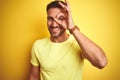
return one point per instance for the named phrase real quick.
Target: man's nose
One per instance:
(54, 23)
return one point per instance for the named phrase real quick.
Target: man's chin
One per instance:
(55, 36)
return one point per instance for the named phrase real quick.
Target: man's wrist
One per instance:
(73, 29)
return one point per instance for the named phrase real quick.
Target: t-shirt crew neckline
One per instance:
(61, 43)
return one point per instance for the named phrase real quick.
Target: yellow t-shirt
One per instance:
(58, 61)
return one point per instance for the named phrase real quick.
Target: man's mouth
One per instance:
(54, 29)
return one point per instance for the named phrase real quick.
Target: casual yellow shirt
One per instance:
(57, 61)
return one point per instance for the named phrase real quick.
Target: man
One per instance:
(60, 57)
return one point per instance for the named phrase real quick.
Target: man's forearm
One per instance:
(32, 77)
(90, 50)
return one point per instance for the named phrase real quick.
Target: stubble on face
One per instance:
(56, 31)
(54, 27)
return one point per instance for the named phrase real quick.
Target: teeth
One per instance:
(55, 29)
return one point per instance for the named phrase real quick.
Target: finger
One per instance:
(60, 23)
(57, 21)
(59, 15)
(66, 1)
(64, 6)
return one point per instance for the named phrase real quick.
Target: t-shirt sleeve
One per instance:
(34, 60)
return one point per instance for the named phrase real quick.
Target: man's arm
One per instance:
(90, 50)
(34, 73)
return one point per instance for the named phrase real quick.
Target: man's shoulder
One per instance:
(41, 41)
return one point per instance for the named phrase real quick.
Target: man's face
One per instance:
(54, 16)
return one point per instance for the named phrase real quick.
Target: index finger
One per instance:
(66, 1)
(59, 14)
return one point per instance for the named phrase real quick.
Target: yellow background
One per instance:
(24, 21)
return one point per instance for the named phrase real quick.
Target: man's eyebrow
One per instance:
(49, 17)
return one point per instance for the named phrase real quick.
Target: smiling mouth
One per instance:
(54, 30)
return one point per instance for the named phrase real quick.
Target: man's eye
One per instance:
(50, 19)
(61, 18)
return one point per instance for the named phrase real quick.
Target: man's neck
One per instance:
(60, 39)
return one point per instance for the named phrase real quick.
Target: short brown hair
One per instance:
(55, 4)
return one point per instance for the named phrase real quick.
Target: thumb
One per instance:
(61, 23)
